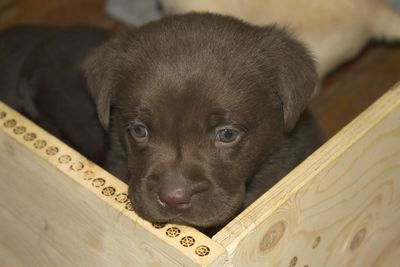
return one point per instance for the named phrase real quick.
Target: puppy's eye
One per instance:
(139, 131)
(227, 136)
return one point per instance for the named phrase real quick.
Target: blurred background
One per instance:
(344, 93)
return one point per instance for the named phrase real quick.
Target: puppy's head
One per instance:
(199, 101)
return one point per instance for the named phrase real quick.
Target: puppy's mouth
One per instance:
(187, 218)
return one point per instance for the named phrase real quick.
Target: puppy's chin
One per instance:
(204, 211)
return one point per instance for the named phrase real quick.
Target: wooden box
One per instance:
(340, 207)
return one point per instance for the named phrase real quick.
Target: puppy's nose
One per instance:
(177, 198)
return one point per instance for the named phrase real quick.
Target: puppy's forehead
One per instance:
(195, 100)
(207, 74)
(179, 97)
(196, 66)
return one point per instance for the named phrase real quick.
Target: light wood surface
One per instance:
(59, 209)
(341, 207)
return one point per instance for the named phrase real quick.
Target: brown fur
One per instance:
(185, 78)
(41, 77)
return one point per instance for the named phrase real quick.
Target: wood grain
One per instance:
(59, 209)
(341, 207)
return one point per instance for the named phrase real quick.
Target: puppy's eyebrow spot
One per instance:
(142, 111)
(224, 117)
(218, 117)
(138, 113)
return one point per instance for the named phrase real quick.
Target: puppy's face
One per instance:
(193, 141)
(197, 106)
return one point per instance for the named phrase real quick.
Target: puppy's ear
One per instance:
(296, 70)
(101, 70)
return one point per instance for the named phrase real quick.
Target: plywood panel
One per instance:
(57, 208)
(341, 207)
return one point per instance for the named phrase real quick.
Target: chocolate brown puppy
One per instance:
(204, 113)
